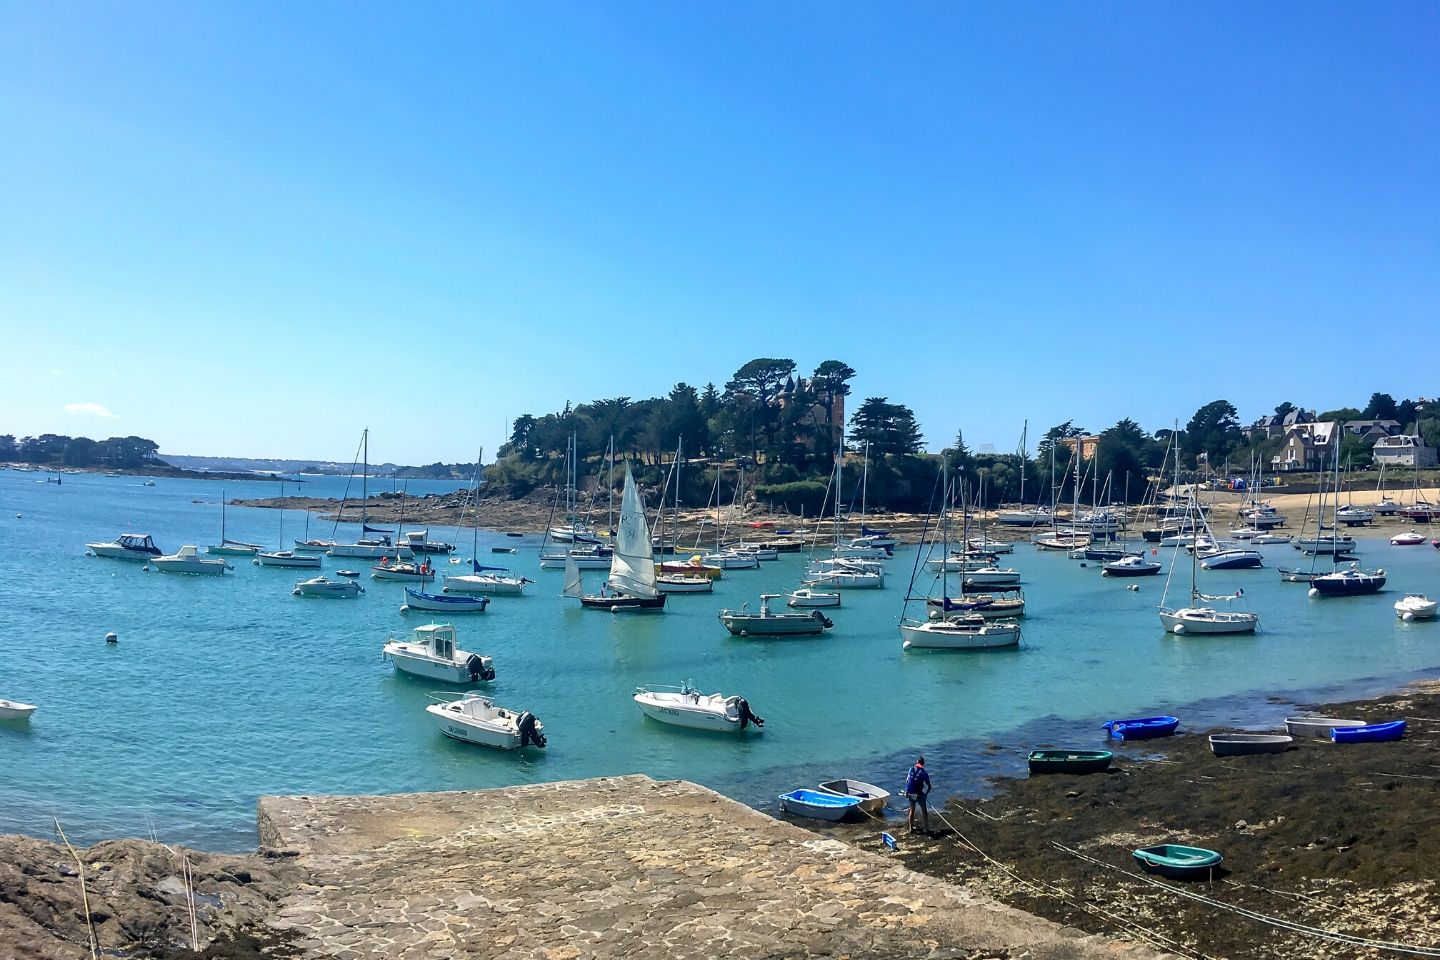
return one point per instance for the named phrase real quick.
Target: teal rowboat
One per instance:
(1070, 761)
(1178, 862)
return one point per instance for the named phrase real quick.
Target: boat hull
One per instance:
(491, 586)
(817, 805)
(1178, 862)
(1317, 728)
(1207, 622)
(1370, 733)
(14, 710)
(321, 587)
(289, 559)
(1248, 744)
(1142, 728)
(417, 600)
(1070, 761)
(872, 798)
(943, 635)
(623, 602)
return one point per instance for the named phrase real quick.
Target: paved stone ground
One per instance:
(620, 866)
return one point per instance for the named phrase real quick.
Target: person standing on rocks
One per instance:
(917, 789)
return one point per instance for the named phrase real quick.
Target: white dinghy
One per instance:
(431, 653)
(476, 719)
(323, 587)
(15, 710)
(686, 706)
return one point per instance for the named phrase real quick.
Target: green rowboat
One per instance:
(1070, 761)
(1178, 862)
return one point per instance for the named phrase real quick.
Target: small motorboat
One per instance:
(475, 719)
(503, 550)
(323, 587)
(872, 798)
(431, 653)
(1317, 728)
(491, 581)
(818, 805)
(1293, 575)
(764, 623)
(189, 560)
(316, 546)
(290, 559)
(443, 603)
(810, 597)
(1232, 559)
(1070, 761)
(1369, 733)
(1408, 539)
(403, 570)
(1141, 728)
(15, 710)
(1244, 744)
(347, 573)
(1131, 566)
(1416, 606)
(686, 706)
(1178, 862)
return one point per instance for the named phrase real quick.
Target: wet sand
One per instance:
(1344, 838)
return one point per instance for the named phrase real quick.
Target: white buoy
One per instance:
(146, 568)
(256, 562)
(1408, 615)
(1179, 628)
(1134, 587)
(1314, 592)
(111, 638)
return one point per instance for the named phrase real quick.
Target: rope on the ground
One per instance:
(1291, 925)
(1145, 934)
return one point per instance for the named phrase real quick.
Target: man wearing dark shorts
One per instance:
(917, 788)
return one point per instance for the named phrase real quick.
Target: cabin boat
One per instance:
(323, 587)
(431, 653)
(473, 718)
(127, 546)
(683, 583)
(1347, 583)
(418, 541)
(1416, 606)
(403, 570)
(189, 560)
(764, 623)
(1408, 539)
(686, 706)
(971, 632)
(490, 581)
(1131, 566)
(694, 567)
(585, 558)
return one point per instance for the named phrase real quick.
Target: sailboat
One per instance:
(840, 572)
(631, 585)
(1351, 581)
(232, 548)
(1202, 619)
(1023, 516)
(287, 558)
(364, 548)
(482, 579)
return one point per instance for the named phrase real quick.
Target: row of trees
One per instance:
(56, 450)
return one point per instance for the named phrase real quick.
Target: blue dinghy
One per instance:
(1370, 733)
(817, 805)
(1178, 862)
(1141, 728)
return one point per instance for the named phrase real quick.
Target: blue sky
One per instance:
(254, 229)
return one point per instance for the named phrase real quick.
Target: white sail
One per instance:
(573, 585)
(632, 567)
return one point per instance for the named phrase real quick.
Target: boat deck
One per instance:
(619, 866)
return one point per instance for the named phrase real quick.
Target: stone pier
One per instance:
(617, 867)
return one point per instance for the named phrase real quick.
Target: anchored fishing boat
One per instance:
(476, 719)
(765, 623)
(431, 653)
(323, 587)
(686, 706)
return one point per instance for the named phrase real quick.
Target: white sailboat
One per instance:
(1198, 618)
(631, 584)
(364, 548)
(233, 548)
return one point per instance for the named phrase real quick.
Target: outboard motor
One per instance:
(822, 618)
(747, 716)
(529, 732)
(477, 668)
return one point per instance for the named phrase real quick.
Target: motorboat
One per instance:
(403, 570)
(1410, 538)
(289, 558)
(1347, 583)
(872, 799)
(233, 548)
(1416, 606)
(491, 581)
(366, 549)
(1131, 566)
(15, 710)
(764, 623)
(127, 546)
(732, 560)
(843, 574)
(989, 545)
(1317, 728)
(998, 604)
(476, 719)
(584, 558)
(810, 597)
(1234, 558)
(323, 587)
(991, 577)
(1263, 539)
(1246, 744)
(431, 653)
(1025, 517)
(818, 805)
(971, 632)
(694, 567)
(686, 706)
(1295, 575)
(443, 603)
(313, 546)
(189, 560)
(418, 541)
(1354, 516)
(1326, 545)
(683, 583)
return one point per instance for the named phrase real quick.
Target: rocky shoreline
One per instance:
(1339, 838)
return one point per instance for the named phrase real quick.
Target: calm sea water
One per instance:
(223, 689)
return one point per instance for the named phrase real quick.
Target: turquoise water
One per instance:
(223, 689)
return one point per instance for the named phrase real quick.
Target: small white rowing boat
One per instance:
(872, 798)
(15, 710)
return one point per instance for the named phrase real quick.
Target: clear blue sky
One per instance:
(254, 229)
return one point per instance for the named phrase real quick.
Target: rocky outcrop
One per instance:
(138, 898)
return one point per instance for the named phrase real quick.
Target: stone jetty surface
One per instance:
(616, 867)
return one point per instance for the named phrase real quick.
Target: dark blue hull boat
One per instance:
(1370, 733)
(1142, 728)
